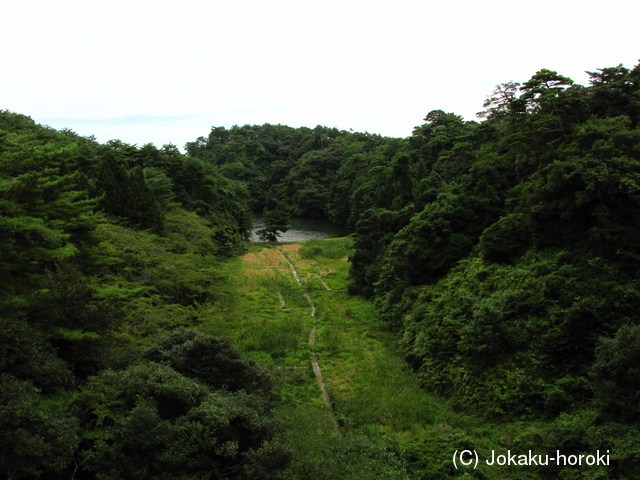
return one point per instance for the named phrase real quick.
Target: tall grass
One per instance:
(333, 248)
(378, 402)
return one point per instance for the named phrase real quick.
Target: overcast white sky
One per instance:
(166, 72)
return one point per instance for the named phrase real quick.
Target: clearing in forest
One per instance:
(340, 378)
(269, 316)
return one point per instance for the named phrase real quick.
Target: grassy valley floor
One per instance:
(380, 423)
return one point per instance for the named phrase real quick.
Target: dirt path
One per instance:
(293, 270)
(312, 334)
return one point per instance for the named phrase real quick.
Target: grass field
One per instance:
(380, 417)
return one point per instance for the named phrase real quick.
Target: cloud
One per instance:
(179, 68)
(125, 120)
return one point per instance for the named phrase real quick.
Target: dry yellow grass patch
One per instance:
(310, 267)
(267, 257)
(269, 272)
(304, 267)
(291, 247)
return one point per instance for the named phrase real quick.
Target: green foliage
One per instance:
(174, 267)
(276, 220)
(26, 354)
(518, 339)
(615, 374)
(374, 232)
(614, 92)
(320, 452)
(506, 238)
(309, 182)
(161, 188)
(74, 318)
(83, 290)
(34, 444)
(504, 253)
(149, 421)
(445, 223)
(334, 249)
(212, 361)
(310, 170)
(502, 102)
(431, 454)
(112, 180)
(44, 216)
(543, 87)
(511, 269)
(591, 198)
(142, 208)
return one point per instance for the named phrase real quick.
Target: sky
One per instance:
(167, 72)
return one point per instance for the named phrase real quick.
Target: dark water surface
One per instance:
(301, 229)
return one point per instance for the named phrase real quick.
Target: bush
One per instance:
(34, 443)
(506, 238)
(151, 422)
(616, 374)
(210, 360)
(25, 354)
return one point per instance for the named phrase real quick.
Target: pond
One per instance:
(301, 229)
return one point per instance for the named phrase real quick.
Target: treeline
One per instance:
(505, 252)
(511, 267)
(108, 252)
(308, 172)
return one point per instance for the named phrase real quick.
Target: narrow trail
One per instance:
(312, 334)
(293, 270)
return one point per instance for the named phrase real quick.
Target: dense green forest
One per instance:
(106, 252)
(502, 254)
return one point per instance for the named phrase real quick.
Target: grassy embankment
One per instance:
(382, 414)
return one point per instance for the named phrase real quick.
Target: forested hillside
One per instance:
(107, 254)
(503, 254)
(514, 279)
